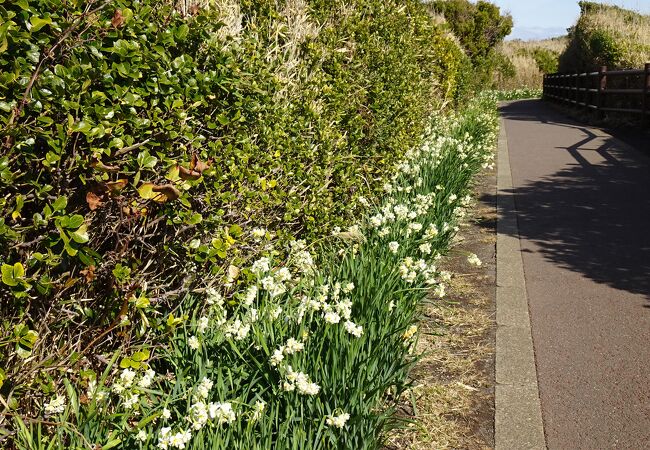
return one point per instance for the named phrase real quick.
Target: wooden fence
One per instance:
(615, 91)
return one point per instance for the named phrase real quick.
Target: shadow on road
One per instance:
(590, 218)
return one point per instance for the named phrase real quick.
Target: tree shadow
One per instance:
(590, 218)
(634, 134)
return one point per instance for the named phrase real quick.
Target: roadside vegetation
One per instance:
(218, 228)
(517, 94)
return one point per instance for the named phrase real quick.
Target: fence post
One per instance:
(600, 96)
(646, 91)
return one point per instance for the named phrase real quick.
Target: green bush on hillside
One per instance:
(479, 27)
(547, 60)
(145, 154)
(606, 35)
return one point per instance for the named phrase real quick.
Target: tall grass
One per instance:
(522, 59)
(314, 351)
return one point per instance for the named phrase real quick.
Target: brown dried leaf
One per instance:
(188, 174)
(88, 273)
(103, 167)
(203, 166)
(199, 166)
(169, 190)
(83, 399)
(94, 201)
(118, 18)
(117, 186)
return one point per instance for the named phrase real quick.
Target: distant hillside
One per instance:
(607, 35)
(523, 63)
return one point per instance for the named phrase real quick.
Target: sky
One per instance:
(537, 19)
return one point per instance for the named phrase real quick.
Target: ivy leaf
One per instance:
(81, 235)
(38, 22)
(182, 31)
(173, 173)
(220, 247)
(235, 230)
(11, 274)
(141, 355)
(60, 203)
(195, 219)
(26, 339)
(141, 302)
(117, 186)
(72, 222)
(145, 160)
(82, 127)
(146, 191)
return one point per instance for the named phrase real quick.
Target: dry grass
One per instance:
(287, 33)
(294, 27)
(230, 14)
(511, 48)
(520, 54)
(448, 379)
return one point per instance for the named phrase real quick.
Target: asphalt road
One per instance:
(583, 209)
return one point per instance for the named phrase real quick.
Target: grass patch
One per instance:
(518, 94)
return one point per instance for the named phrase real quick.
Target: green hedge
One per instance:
(144, 154)
(316, 356)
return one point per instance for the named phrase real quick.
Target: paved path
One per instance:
(582, 202)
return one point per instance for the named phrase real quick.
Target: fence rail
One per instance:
(615, 91)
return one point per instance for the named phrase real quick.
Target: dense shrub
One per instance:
(547, 60)
(143, 153)
(606, 35)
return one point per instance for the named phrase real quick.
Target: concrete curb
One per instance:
(518, 414)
